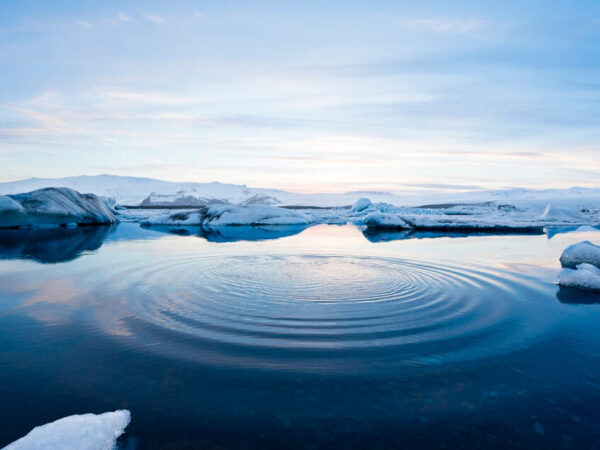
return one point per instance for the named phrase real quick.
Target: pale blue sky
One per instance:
(304, 96)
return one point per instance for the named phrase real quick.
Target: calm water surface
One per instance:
(286, 337)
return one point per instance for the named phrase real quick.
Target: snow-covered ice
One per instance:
(53, 207)
(220, 215)
(469, 217)
(510, 210)
(81, 432)
(585, 276)
(195, 197)
(557, 214)
(361, 204)
(385, 220)
(581, 253)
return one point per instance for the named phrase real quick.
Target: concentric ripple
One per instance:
(317, 312)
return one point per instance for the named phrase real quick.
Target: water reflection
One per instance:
(321, 340)
(64, 244)
(382, 235)
(233, 233)
(553, 231)
(52, 246)
(576, 296)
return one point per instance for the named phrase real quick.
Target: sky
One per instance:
(307, 96)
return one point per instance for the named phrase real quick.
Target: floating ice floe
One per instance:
(218, 215)
(52, 207)
(443, 222)
(385, 220)
(585, 276)
(581, 266)
(81, 432)
(581, 253)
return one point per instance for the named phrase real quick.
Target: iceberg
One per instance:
(512, 211)
(361, 204)
(53, 207)
(82, 432)
(585, 276)
(555, 214)
(581, 253)
(385, 220)
(471, 223)
(219, 215)
(425, 221)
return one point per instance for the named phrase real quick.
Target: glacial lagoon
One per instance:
(296, 337)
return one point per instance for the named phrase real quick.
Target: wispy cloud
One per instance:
(445, 25)
(84, 24)
(146, 97)
(41, 124)
(122, 17)
(153, 17)
(382, 95)
(446, 186)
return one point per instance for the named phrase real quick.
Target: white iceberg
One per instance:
(8, 205)
(385, 220)
(53, 207)
(585, 276)
(218, 215)
(581, 253)
(413, 219)
(556, 214)
(470, 223)
(81, 432)
(361, 204)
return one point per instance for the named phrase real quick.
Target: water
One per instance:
(299, 338)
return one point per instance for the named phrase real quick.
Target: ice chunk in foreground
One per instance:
(555, 214)
(217, 215)
(54, 207)
(586, 276)
(361, 203)
(580, 253)
(81, 432)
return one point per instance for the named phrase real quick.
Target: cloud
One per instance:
(84, 24)
(43, 124)
(445, 25)
(122, 17)
(146, 97)
(153, 18)
(453, 187)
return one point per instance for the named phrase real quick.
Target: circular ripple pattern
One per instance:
(318, 312)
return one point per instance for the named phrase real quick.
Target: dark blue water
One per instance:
(299, 338)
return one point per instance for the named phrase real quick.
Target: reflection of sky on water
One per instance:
(128, 248)
(63, 245)
(197, 335)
